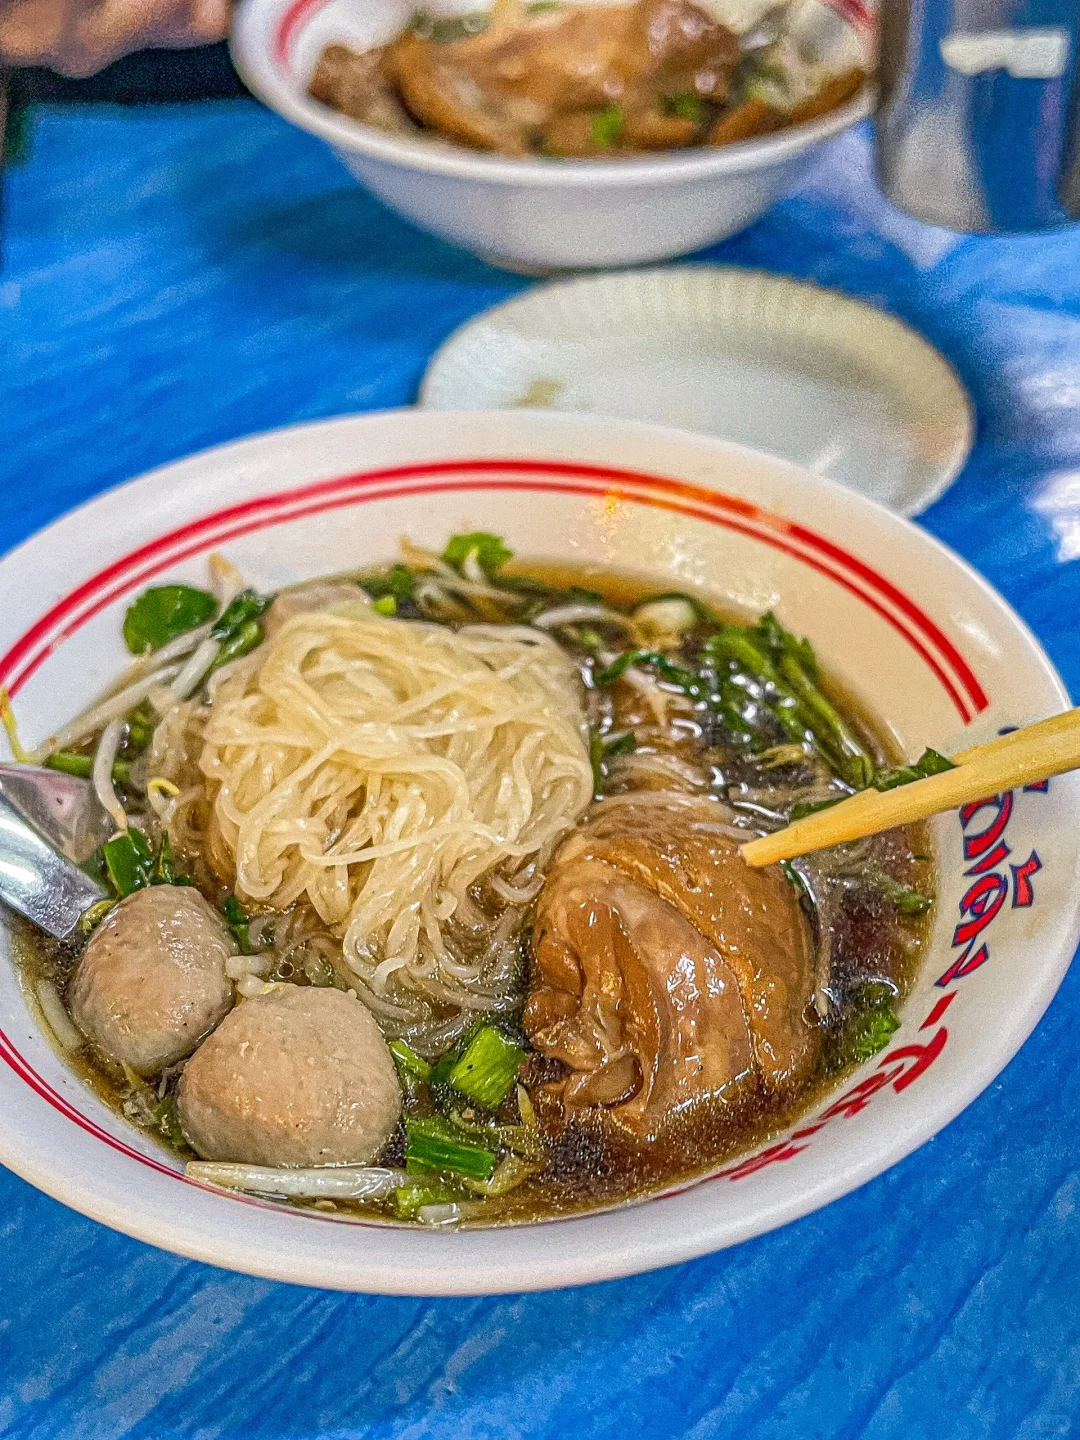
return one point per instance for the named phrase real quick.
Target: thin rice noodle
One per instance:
(376, 770)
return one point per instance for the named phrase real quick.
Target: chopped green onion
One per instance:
(606, 126)
(440, 1074)
(386, 605)
(69, 762)
(929, 763)
(164, 612)
(487, 1070)
(409, 1200)
(398, 583)
(490, 550)
(129, 862)
(686, 105)
(238, 921)
(434, 1145)
(413, 1069)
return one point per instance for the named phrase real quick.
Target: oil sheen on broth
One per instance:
(702, 730)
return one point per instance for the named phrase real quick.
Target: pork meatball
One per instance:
(295, 1076)
(152, 980)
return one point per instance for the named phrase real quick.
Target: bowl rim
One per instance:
(257, 44)
(435, 1264)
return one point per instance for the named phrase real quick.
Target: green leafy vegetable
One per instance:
(239, 627)
(606, 126)
(162, 869)
(487, 1070)
(602, 749)
(907, 900)
(242, 609)
(687, 680)
(413, 1069)
(433, 1145)
(868, 1029)
(240, 642)
(929, 763)
(490, 550)
(168, 1121)
(811, 807)
(686, 105)
(238, 921)
(785, 668)
(69, 762)
(129, 862)
(141, 725)
(162, 613)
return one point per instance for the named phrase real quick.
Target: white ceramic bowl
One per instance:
(532, 215)
(913, 632)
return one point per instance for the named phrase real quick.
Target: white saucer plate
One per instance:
(787, 367)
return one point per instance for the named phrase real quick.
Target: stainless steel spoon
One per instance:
(49, 824)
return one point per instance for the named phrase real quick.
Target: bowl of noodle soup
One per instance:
(467, 692)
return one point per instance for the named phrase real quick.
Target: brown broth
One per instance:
(593, 1164)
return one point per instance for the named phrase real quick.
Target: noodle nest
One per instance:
(408, 781)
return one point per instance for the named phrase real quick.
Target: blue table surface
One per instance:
(178, 277)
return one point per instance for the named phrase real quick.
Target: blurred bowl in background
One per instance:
(533, 215)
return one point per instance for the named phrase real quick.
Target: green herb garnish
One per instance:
(601, 750)
(679, 675)
(606, 127)
(929, 763)
(162, 613)
(490, 550)
(238, 921)
(398, 583)
(811, 807)
(246, 606)
(487, 1070)
(686, 105)
(129, 862)
(413, 1069)
(435, 1146)
(786, 670)
(386, 606)
(907, 900)
(70, 762)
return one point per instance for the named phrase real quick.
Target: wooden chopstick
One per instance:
(1035, 752)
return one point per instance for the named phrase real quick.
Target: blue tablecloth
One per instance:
(178, 277)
